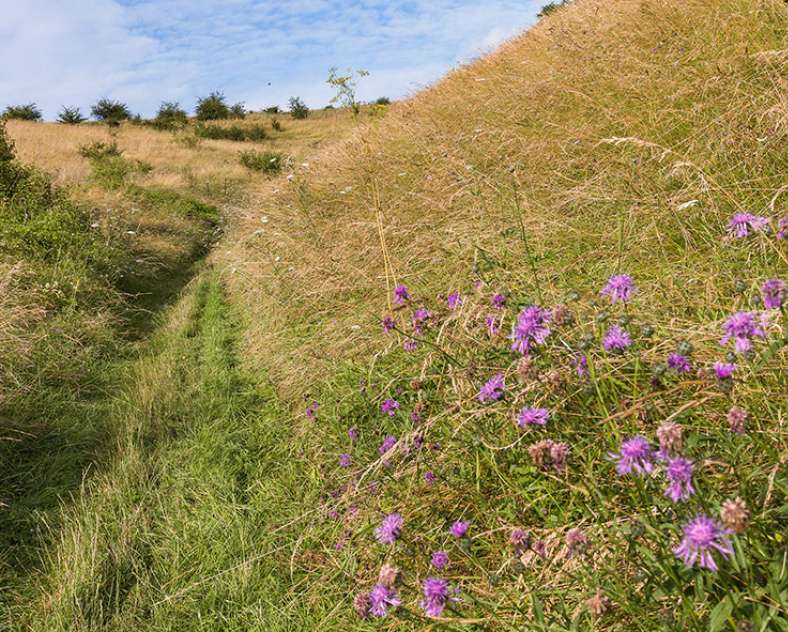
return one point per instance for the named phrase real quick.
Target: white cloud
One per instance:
(146, 51)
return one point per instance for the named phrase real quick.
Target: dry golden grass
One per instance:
(418, 195)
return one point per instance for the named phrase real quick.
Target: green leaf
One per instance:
(720, 614)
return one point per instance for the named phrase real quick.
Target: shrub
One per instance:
(345, 85)
(265, 161)
(27, 112)
(212, 108)
(274, 109)
(238, 110)
(70, 116)
(237, 133)
(170, 116)
(383, 101)
(110, 112)
(276, 125)
(550, 7)
(298, 109)
(100, 150)
(110, 168)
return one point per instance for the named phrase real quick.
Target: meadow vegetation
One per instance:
(507, 355)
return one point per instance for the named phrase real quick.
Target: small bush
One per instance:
(298, 109)
(170, 116)
(265, 161)
(237, 133)
(550, 7)
(212, 108)
(27, 112)
(383, 101)
(238, 110)
(70, 116)
(110, 112)
(274, 109)
(276, 125)
(100, 150)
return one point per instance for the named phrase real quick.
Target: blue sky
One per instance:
(257, 51)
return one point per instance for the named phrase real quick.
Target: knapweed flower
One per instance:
(361, 605)
(782, 227)
(401, 295)
(735, 515)
(740, 224)
(498, 301)
(388, 442)
(724, 370)
(742, 327)
(773, 292)
(737, 420)
(389, 529)
(520, 541)
(440, 559)
(420, 318)
(547, 452)
(454, 300)
(410, 345)
(493, 326)
(436, 592)
(679, 474)
(388, 324)
(429, 477)
(389, 407)
(311, 410)
(388, 575)
(635, 454)
(620, 287)
(576, 541)
(344, 460)
(493, 389)
(679, 363)
(459, 529)
(381, 598)
(671, 440)
(703, 536)
(581, 366)
(532, 416)
(558, 455)
(531, 328)
(352, 433)
(616, 339)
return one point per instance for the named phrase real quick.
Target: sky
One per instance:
(261, 52)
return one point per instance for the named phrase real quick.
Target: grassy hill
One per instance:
(407, 337)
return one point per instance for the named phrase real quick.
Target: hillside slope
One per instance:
(499, 444)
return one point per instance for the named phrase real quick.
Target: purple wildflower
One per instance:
(344, 460)
(389, 529)
(415, 417)
(381, 598)
(353, 434)
(430, 477)
(459, 529)
(454, 300)
(390, 407)
(410, 345)
(635, 454)
(782, 227)
(493, 325)
(388, 442)
(388, 324)
(361, 605)
(498, 301)
(616, 339)
(773, 292)
(436, 592)
(737, 420)
(671, 439)
(724, 370)
(401, 294)
(679, 363)
(742, 327)
(531, 328)
(679, 473)
(440, 559)
(620, 287)
(311, 410)
(740, 224)
(576, 541)
(520, 541)
(702, 536)
(420, 317)
(493, 389)
(532, 416)
(581, 366)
